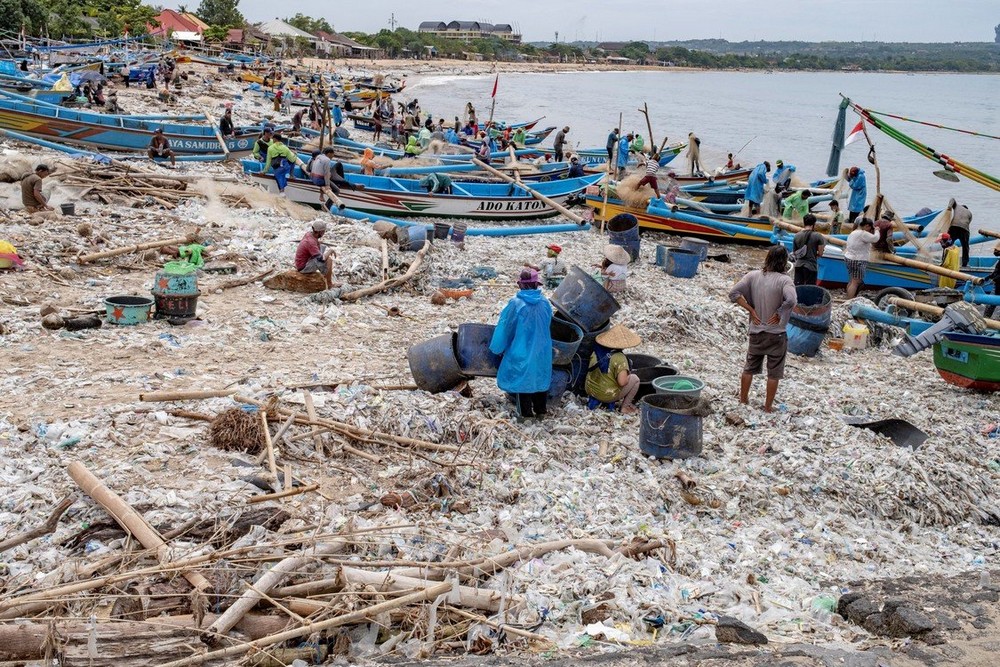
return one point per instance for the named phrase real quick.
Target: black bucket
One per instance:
(180, 306)
(670, 427)
(441, 230)
(637, 361)
(646, 377)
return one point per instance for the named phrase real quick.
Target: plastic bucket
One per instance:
(458, 232)
(623, 230)
(646, 377)
(472, 349)
(170, 306)
(171, 283)
(566, 339)
(637, 361)
(681, 263)
(679, 385)
(441, 230)
(661, 255)
(411, 238)
(699, 246)
(433, 364)
(584, 301)
(804, 340)
(668, 427)
(813, 307)
(68, 209)
(128, 310)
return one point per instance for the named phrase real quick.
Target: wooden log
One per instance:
(93, 257)
(268, 581)
(473, 598)
(129, 519)
(931, 309)
(392, 283)
(359, 616)
(929, 268)
(537, 195)
(989, 232)
(291, 491)
(315, 587)
(191, 395)
(293, 281)
(44, 529)
(119, 643)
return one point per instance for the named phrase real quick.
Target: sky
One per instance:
(619, 20)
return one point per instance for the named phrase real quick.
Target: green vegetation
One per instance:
(60, 18)
(309, 24)
(221, 13)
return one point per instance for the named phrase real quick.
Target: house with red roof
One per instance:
(183, 26)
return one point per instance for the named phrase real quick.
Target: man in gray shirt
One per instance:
(769, 296)
(806, 247)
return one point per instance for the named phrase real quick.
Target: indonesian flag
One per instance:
(496, 83)
(857, 133)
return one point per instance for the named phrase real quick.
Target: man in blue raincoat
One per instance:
(755, 186)
(859, 193)
(524, 339)
(623, 147)
(782, 175)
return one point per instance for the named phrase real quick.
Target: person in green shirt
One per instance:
(262, 143)
(282, 159)
(608, 376)
(519, 138)
(796, 205)
(637, 145)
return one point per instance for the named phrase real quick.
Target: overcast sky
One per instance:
(607, 20)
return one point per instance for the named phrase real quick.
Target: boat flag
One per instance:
(856, 133)
(495, 84)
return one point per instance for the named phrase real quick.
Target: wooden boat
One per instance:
(832, 271)
(55, 97)
(114, 132)
(591, 157)
(969, 361)
(405, 197)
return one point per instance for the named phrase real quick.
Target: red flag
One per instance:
(856, 133)
(495, 84)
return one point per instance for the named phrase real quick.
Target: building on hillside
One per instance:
(278, 30)
(468, 31)
(611, 48)
(179, 26)
(345, 47)
(248, 40)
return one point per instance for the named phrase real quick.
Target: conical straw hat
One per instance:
(617, 254)
(619, 337)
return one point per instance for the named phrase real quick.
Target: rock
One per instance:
(53, 321)
(47, 309)
(875, 624)
(981, 623)
(934, 638)
(734, 419)
(861, 609)
(845, 600)
(892, 604)
(906, 622)
(732, 631)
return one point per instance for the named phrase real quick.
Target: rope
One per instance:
(937, 125)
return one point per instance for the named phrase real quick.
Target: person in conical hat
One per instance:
(609, 379)
(614, 268)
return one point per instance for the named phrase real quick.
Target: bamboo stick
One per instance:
(473, 598)
(346, 619)
(269, 446)
(517, 632)
(930, 268)
(192, 395)
(218, 134)
(931, 309)
(252, 596)
(129, 519)
(290, 491)
(537, 195)
(990, 233)
(311, 412)
(93, 257)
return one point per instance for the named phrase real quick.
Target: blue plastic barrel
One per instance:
(411, 238)
(433, 364)
(623, 230)
(648, 375)
(681, 263)
(668, 427)
(804, 340)
(584, 301)
(566, 338)
(699, 246)
(472, 349)
(581, 360)
(661, 255)
(813, 307)
(558, 387)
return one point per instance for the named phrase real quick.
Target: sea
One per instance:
(762, 116)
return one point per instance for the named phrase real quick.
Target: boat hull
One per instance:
(664, 223)
(832, 272)
(969, 365)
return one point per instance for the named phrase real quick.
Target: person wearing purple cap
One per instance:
(523, 339)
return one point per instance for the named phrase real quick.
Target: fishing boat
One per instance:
(115, 132)
(969, 361)
(406, 197)
(832, 271)
(382, 151)
(592, 157)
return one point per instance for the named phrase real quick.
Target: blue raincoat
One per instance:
(523, 338)
(784, 174)
(623, 152)
(859, 192)
(755, 184)
(338, 116)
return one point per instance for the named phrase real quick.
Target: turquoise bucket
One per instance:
(681, 263)
(128, 310)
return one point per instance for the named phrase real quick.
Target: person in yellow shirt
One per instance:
(951, 258)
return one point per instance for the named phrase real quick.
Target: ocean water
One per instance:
(782, 115)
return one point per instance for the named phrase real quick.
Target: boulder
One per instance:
(293, 281)
(732, 631)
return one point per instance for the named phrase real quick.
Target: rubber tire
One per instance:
(884, 294)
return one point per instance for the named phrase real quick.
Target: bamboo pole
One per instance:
(192, 395)
(930, 309)
(289, 491)
(129, 519)
(311, 412)
(93, 257)
(252, 596)
(537, 195)
(473, 598)
(930, 268)
(990, 233)
(424, 595)
(218, 133)
(269, 447)
(649, 125)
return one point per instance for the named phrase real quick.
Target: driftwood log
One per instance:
(473, 598)
(190, 238)
(392, 283)
(293, 281)
(44, 529)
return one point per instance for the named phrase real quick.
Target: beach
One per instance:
(779, 516)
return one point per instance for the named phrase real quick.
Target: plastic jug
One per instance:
(855, 335)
